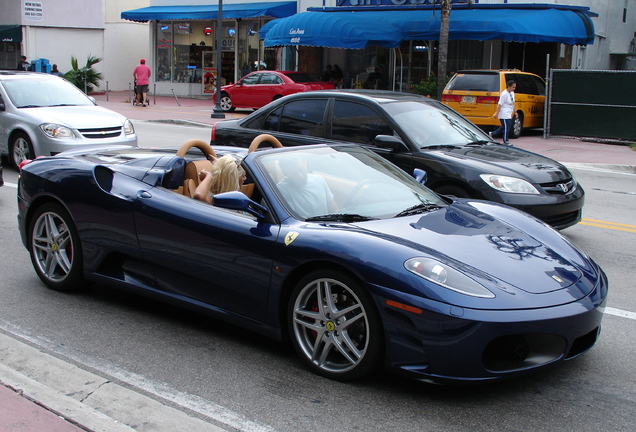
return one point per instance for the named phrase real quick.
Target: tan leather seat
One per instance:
(191, 177)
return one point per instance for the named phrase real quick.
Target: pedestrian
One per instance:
(505, 112)
(55, 71)
(141, 73)
(23, 64)
(327, 75)
(336, 76)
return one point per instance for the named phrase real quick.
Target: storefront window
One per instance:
(164, 52)
(185, 51)
(248, 45)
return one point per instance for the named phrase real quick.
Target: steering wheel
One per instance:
(200, 144)
(356, 189)
(262, 138)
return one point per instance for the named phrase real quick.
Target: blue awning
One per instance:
(353, 30)
(210, 12)
(389, 27)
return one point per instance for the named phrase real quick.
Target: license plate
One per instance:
(468, 99)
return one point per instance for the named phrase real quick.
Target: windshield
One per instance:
(343, 183)
(430, 126)
(44, 92)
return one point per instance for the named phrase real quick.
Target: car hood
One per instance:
(505, 160)
(533, 263)
(77, 117)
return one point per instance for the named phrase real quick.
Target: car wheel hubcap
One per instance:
(226, 104)
(20, 151)
(52, 247)
(331, 325)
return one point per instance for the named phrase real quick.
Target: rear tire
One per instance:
(55, 248)
(517, 126)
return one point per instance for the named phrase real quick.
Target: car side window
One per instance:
(357, 123)
(540, 85)
(300, 117)
(269, 78)
(272, 121)
(251, 79)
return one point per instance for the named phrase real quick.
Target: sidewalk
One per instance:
(572, 152)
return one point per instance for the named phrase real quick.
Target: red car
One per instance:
(259, 88)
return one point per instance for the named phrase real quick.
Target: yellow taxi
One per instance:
(475, 94)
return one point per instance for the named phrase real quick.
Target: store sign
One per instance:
(393, 2)
(33, 11)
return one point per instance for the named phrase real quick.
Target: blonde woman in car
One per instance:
(226, 175)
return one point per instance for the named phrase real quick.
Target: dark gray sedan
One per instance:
(418, 132)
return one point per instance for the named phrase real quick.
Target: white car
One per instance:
(42, 115)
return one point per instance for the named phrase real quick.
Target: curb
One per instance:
(87, 400)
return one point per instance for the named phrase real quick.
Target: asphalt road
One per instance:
(231, 378)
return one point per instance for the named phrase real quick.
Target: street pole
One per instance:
(218, 111)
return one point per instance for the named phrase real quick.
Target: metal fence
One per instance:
(591, 104)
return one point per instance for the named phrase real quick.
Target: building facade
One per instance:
(58, 29)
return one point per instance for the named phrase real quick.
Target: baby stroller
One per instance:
(134, 101)
(137, 97)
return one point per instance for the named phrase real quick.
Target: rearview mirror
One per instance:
(420, 176)
(236, 200)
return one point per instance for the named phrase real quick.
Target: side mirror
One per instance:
(420, 176)
(390, 142)
(236, 200)
(93, 100)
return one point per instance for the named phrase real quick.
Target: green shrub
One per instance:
(428, 87)
(86, 78)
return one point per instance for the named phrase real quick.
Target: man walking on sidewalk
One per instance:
(506, 112)
(141, 74)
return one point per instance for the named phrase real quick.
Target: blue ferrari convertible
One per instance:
(328, 247)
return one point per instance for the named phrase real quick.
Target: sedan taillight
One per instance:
(213, 133)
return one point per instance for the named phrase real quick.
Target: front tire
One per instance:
(21, 149)
(334, 326)
(226, 103)
(55, 248)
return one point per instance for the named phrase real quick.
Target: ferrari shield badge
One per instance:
(290, 237)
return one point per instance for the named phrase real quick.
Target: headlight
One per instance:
(56, 131)
(508, 184)
(446, 276)
(128, 127)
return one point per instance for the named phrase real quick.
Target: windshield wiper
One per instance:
(58, 105)
(30, 106)
(340, 217)
(479, 142)
(419, 208)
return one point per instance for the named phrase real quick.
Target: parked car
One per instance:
(42, 114)
(1, 176)
(395, 276)
(259, 88)
(475, 95)
(418, 132)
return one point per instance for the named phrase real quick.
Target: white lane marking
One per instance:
(620, 313)
(13, 185)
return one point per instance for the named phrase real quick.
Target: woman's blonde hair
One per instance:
(226, 175)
